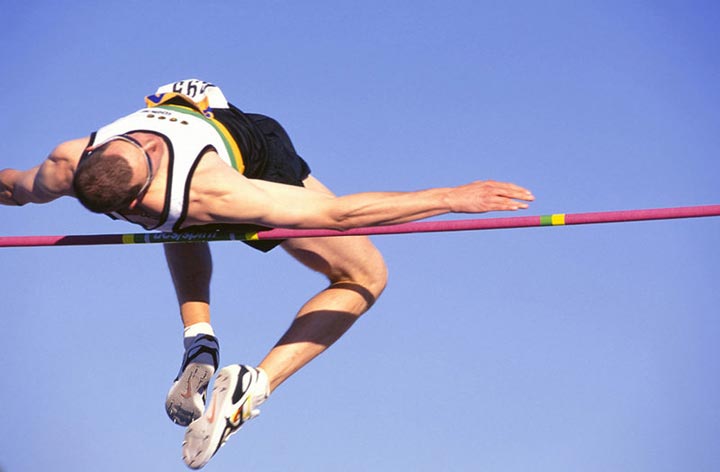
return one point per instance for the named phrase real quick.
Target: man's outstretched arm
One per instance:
(298, 208)
(224, 196)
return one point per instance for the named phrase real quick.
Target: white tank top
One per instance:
(189, 132)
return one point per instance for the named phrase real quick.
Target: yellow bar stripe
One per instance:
(558, 219)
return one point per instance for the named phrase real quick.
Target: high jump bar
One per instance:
(558, 219)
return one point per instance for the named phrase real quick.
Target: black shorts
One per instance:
(267, 151)
(268, 154)
(283, 165)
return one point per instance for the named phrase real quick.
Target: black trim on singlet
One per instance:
(85, 152)
(168, 178)
(186, 191)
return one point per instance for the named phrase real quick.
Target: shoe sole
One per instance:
(208, 433)
(185, 400)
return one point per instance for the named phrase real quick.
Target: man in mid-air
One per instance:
(190, 160)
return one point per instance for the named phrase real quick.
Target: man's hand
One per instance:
(8, 177)
(482, 196)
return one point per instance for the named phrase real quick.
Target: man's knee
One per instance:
(352, 261)
(368, 281)
(371, 273)
(380, 275)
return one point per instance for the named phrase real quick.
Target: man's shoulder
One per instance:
(69, 151)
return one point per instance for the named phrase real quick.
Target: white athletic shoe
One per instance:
(237, 392)
(185, 401)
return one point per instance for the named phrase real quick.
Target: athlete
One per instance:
(191, 160)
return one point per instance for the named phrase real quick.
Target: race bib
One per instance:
(204, 95)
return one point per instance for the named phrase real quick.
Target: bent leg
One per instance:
(357, 276)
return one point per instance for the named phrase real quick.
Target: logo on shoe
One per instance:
(187, 393)
(211, 415)
(236, 416)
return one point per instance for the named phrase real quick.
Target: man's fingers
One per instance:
(506, 203)
(509, 190)
(514, 196)
(515, 191)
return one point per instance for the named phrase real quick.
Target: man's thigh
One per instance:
(339, 258)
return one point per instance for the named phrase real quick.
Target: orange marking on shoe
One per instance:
(236, 415)
(211, 416)
(187, 393)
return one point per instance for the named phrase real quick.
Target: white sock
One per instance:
(201, 346)
(194, 330)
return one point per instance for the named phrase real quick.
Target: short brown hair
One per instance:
(102, 181)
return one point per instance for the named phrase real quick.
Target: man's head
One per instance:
(112, 175)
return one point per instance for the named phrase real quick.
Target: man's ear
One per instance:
(151, 146)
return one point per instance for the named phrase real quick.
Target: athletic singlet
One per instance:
(181, 114)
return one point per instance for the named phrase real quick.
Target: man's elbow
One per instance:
(341, 222)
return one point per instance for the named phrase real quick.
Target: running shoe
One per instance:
(237, 392)
(185, 401)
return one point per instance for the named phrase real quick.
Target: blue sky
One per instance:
(588, 348)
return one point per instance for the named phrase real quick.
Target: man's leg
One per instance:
(190, 266)
(357, 276)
